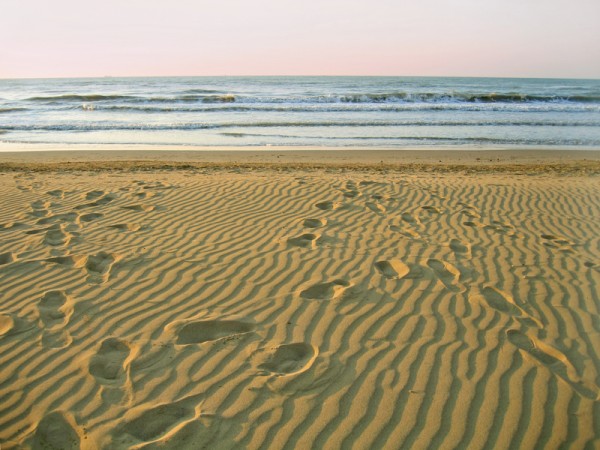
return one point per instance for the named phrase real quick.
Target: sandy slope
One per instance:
(326, 309)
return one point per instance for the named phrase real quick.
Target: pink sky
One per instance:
(529, 38)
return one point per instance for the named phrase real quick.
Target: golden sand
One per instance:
(237, 303)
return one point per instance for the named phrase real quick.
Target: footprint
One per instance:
(57, 193)
(307, 240)
(448, 274)
(326, 291)
(503, 302)
(40, 204)
(405, 231)
(471, 214)
(408, 217)
(431, 209)
(91, 216)
(328, 205)
(556, 362)
(126, 226)
(473, 224)
(289, 359)
(13, 226)
(100, 202)
(110, 364)
(392, 269)
(57, 430)
(376, 207)
(99, 266)
(76, 261)
(314, 223)
(7, 324)
(94, 195)
(459, 247)
(66, 217)
(57, 236)
(351, 193)
(139, 208)
(155, 422)
(55, 309)
(211, 330)
(7, 258)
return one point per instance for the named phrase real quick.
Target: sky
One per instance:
(87, 38)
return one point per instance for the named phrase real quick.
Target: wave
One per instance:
(363, 98)
(103, 126)
(79, 98)
(9, 110)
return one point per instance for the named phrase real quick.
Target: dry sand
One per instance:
(197, 303)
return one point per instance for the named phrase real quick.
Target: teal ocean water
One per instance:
(365, 112)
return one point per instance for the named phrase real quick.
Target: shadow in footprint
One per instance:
(211, 330)
(99, 266)
(55, 309)
(326, 291)
(556, 364)
(110, 363)
(307, 240)
(289, 359)
(393, 269)
(57, 430)
(328, 205)
(448, 274)
(314, 223)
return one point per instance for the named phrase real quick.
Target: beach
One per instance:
(300, 299)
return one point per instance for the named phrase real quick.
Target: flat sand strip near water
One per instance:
(234, 306)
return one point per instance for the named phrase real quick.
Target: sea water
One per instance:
(356, 112)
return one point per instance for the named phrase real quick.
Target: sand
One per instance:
(185, 302)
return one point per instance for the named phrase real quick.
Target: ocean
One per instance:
(344, 112)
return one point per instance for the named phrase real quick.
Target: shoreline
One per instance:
(569, 162)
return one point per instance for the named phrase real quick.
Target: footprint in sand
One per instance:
(306, 240)
(139, 208)
(13, 226)
(154, 423)
(7, 324)
(408, 217)
(100, 202)
(557, 242)
(431, 209)
(376, 207)
(211, 330)
(328, 205)
(126, 227)
(91, 217)
(92, 195)
(76, 261)
(57, 430)
(55, 309)
(408, 232)
(99, 266)
(460, 248)
(314, 223)
(110, 364)
(65, 217)
(57, 193)
(551, 358)
(501, 227)
(288, 359)
(393, 269)
(503, 302)
(57, 235)
(326, 291)
(447, 273)
(351, 193)
(40, 208)
(7, 258)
